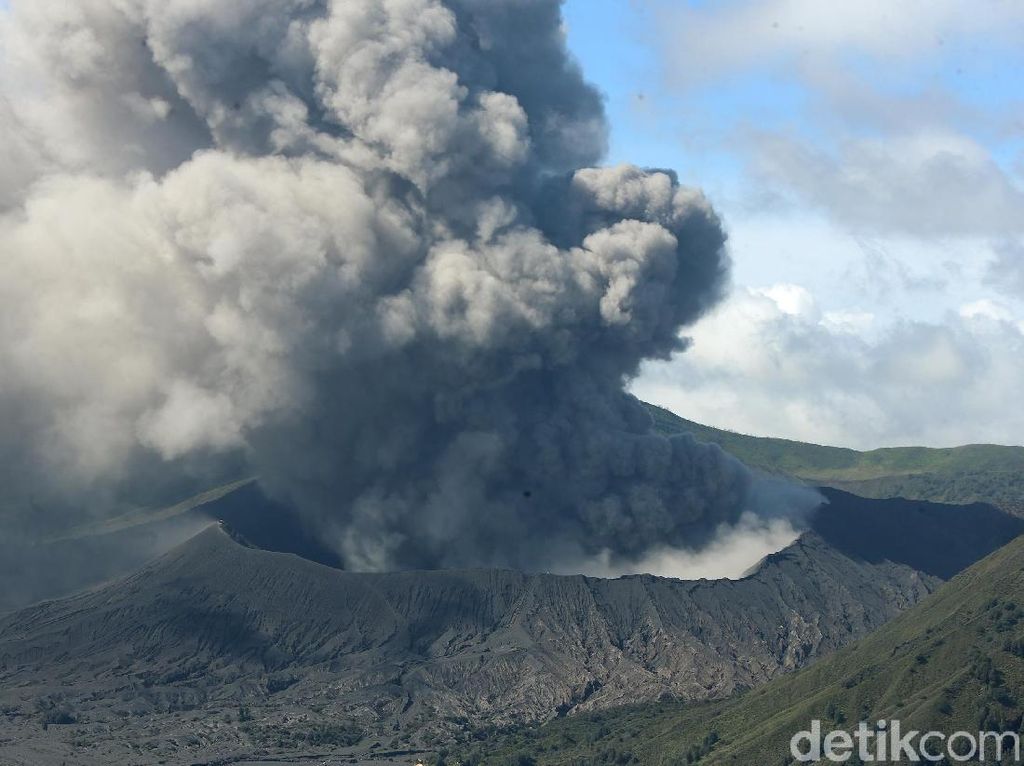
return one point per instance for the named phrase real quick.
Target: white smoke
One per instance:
(354, 246)
(732, 553)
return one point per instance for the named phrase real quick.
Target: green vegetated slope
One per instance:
(978, 472)
(954, 662)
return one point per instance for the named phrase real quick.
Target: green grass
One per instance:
(954, 662)
(973, 473)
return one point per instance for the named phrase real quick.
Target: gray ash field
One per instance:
(220, 651)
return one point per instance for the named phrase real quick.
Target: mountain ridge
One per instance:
(220, 650)
(989, 473)
(953, 662)
(99, 552)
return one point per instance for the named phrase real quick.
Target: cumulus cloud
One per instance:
(1006, 270)
(892, 118)
(922, 184)
(359, 248)
(844, 378)
(868, 152)
(730, 36)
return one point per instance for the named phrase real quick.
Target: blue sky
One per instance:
(621, 43)
(867, 160)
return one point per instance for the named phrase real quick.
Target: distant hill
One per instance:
(954, 662)
(220, 649)
(974, 473)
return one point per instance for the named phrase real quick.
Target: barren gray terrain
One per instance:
(220, 651)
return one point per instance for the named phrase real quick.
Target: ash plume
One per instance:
(361, 248)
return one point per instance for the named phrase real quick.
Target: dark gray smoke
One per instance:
(356, 247)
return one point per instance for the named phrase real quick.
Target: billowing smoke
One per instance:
(356, 247)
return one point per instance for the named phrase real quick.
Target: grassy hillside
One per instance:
(974, 473)
(954, 662)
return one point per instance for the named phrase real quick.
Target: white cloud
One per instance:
(887, 276)
(789, 299)
(709, 40)
(986, 308)
(1006, 270)
(876, 217)
(853, 322)
(926, 184)
(862, 111)
(759, 368)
